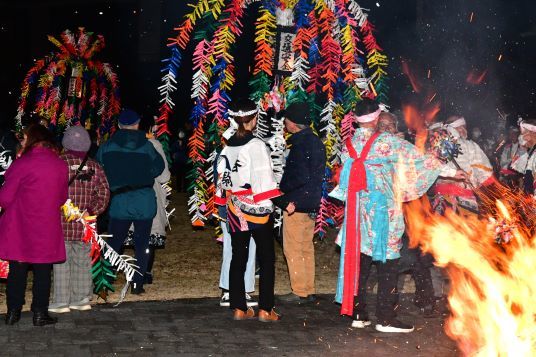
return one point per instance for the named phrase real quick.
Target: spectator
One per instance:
(157, 239)
(246, 175)
(35, 188)
(131, 164)
(89, 191)
(9, 146)
(302, 187)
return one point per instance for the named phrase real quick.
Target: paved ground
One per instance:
(201, 327)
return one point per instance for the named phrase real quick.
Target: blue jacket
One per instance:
(304, 171)
(131, 164)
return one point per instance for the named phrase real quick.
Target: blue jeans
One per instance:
(249, 276)
(142, 230)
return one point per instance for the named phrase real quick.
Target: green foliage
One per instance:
(103, 276)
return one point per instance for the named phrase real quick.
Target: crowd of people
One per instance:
(125, 177)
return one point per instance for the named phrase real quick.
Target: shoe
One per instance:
(81, 307)
(148, 278)
(290, 297)
(394, 326)
(43, 319)
(361, 321)
(59, 310)
(224, 301)
(293, 298)
(12, 317)
(240, 315)
(137, 289)
(430, 311)
(250, 302)
(272, 316)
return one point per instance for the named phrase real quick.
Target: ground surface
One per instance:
(182, 315)
(201, 327)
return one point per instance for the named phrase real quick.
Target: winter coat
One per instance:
(131, 164)
(304, 171)
(160, 219)
(35, 188)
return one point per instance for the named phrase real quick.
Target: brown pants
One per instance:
(298, 231)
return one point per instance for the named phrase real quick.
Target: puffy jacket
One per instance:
(304, 171)
(131, 164)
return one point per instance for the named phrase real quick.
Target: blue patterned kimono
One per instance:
(396, 172)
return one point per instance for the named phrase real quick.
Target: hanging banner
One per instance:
(285, 53)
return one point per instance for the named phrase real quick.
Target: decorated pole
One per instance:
(72, 87)
(320, 51)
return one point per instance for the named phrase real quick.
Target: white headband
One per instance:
(528, 127)
(435, 126)
(457, 123)
(231, 130)
(369, 117)
(242, 114)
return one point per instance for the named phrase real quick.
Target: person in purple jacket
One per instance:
(35, 188)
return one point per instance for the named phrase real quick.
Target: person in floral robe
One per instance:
(380, 172)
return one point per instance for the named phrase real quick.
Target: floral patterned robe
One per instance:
(396, 173)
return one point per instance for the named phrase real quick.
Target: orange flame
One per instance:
(418, 120)
(476, 78)
(412, 78)
(493, 287)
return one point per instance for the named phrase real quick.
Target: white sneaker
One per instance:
(84, 307)
(360, 321)
(394, 326)
(59, 309)
(250, 302)
(224, 301)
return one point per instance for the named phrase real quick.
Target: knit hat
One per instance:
(298, 113)
(128, 117)
(76, 138)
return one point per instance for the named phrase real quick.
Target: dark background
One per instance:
(434, 35)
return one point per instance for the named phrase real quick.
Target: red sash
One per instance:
(352, 250)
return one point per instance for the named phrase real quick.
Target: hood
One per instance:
(129, 139)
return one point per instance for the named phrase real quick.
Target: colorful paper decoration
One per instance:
(336, 62)
(71, 87)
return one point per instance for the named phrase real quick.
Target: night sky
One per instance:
(447, 49)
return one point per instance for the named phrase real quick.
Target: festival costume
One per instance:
(526, 165)
(246, 184)
(35, 188)
(509, 155)
(380, 172)
(459, 195)
(89, 191)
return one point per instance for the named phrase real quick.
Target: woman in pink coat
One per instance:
(35, 188)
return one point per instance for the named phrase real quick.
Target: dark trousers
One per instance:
(16, 285)
(142, 230)
(387, 290)
(264, 240)
(424, 288)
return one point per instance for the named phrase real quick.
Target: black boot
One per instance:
(137, 289)
(43, 318)
(12, 317)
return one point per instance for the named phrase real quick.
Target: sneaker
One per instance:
(225, 301)
(250, 302)
(58, 309)
(81, 307)
(394, 326)
(361, 321)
